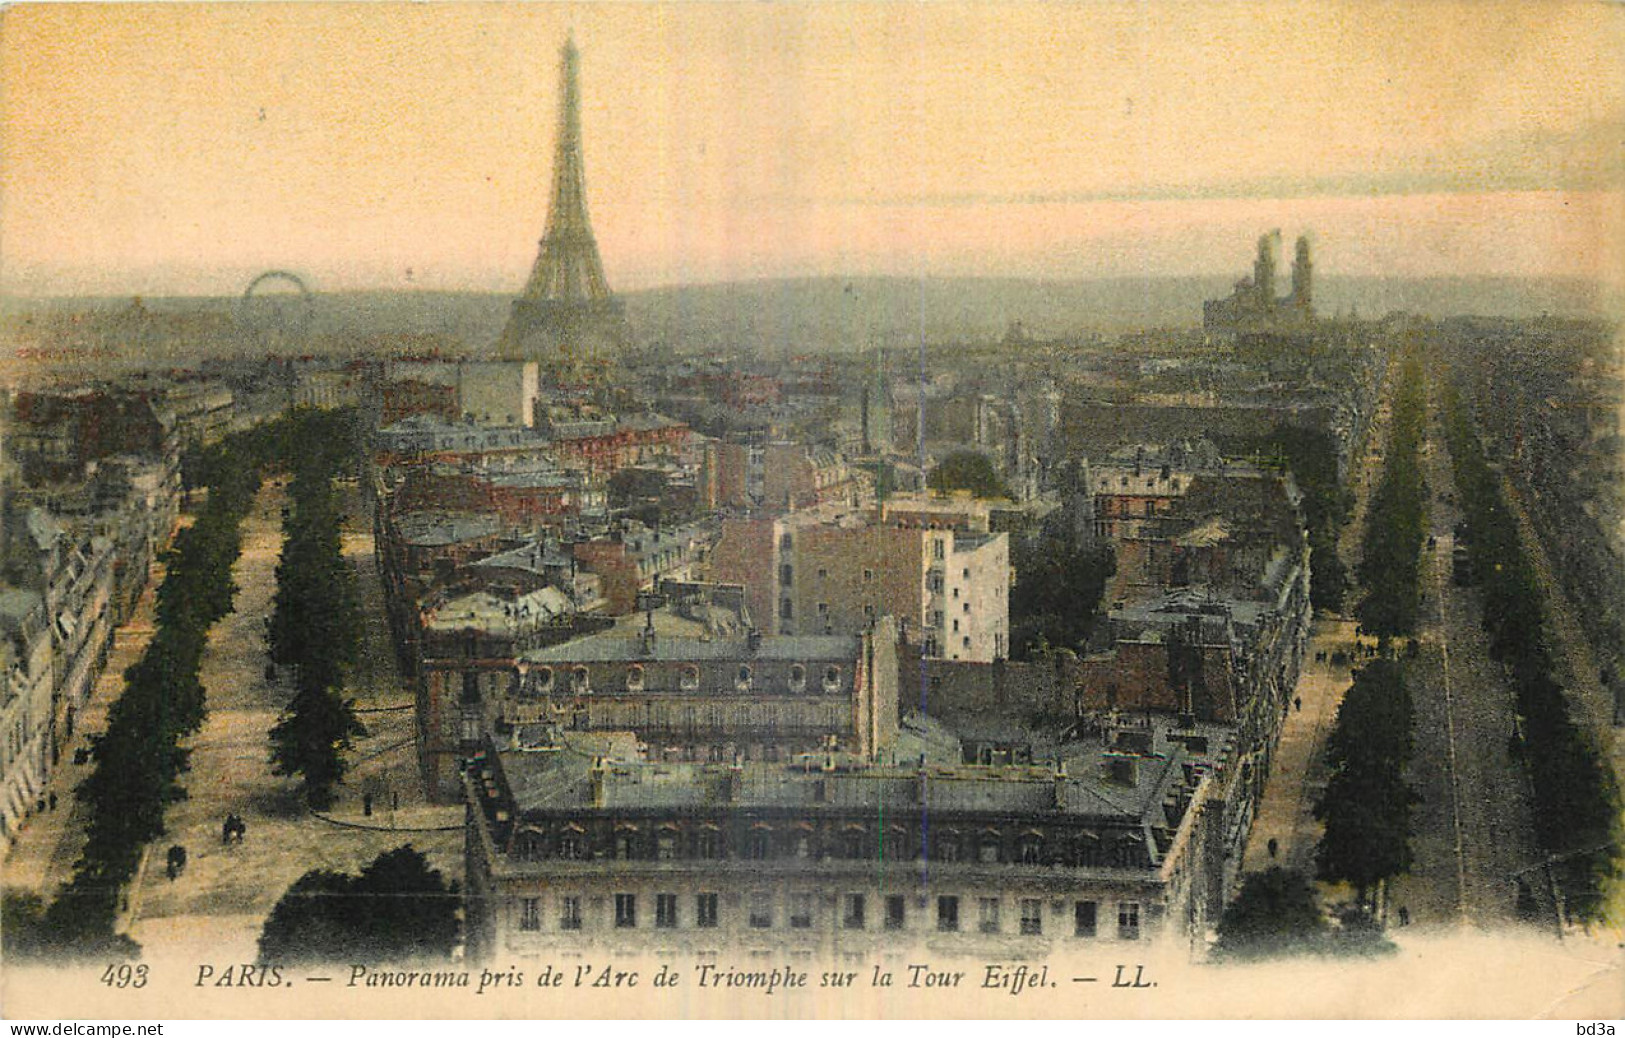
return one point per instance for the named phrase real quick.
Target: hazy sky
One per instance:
(184, 148)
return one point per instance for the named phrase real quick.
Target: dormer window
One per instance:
(832, 679)
(798, 677)
(689, 680)
(580, 681)
(634, 678)
(742, 679)
(543, 681)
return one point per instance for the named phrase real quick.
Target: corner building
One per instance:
(576, 846)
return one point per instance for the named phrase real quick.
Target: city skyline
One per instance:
(180, 150)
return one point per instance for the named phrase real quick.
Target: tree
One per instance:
(967, 470)
(1055, 596)
(1276, 913)
(632, 486)
(1390, 556)
(1366, 806)
(398, 908)
(310, 738)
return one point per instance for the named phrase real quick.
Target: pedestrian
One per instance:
(51, 800)
(1404, 916)
(366, 804)
(1297, 703)
(1273, 846)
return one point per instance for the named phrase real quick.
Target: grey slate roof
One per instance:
(616, 647)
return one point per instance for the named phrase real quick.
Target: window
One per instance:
(786, 542)
(708, 844)
(1128, 920)
(569, 913)
(947, 913)
(822, 573)
(1032, 851)
(761, 911)
(634, 678)
(967, 641)
(801, 911)
(530, 913)
(798, 677)
(948, 848)
(689, 679)
(580, 680)
(1032, 916)
(939, 549)
(868, 575)
(786, 574)
(626, 910)
(626, 845)
(1150, 508)
(787, 610)
(852, 916)
(823, 609)
(666, 845)
(956, 593)
(869, 610)
(1083, 918)
(742, 679)
(543, 680)
(531, 846)
(895, 909)
(758, 845)
(987, 852)
(570, 847)
(854, 845)
(936, 618)
(987, 914)
(965, 574)
(705, 911)
(832, 679)
(956, 626)
(666, 911)
(967, 608)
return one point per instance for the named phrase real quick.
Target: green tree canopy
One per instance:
(1276, 913)
(397, 909)
(967, 470)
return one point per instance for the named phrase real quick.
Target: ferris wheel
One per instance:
(276, 311)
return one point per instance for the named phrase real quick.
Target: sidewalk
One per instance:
(1297, 773)
(42, 857)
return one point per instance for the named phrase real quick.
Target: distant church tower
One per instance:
(1303, 270)
(566, 317)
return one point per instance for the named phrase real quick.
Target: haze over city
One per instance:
(180, 150)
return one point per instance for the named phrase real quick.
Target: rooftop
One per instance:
(1092, 777)
(437, 529)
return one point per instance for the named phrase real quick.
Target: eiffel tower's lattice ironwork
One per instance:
(567, 317)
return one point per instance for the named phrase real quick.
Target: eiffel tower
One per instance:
(566, 317)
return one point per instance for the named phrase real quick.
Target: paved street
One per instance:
(1473, 831)
(1590, 704)
(225, 893)
(1473, 828)
(221, 899)
(1298, 771)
